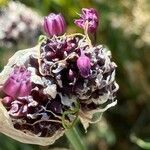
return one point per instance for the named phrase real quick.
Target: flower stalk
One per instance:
(75, 139)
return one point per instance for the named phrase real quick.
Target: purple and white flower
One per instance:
(46, 88)
(89, 18)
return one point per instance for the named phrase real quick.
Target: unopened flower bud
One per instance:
(18, 83)
(71, 75)
(54, 24)
(84, 65)
(89, 18)
(7, 101)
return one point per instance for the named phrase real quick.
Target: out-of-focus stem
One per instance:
(75, 139)
(43, 147)
(140, 142)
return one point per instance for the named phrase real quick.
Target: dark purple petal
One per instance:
(71, 75)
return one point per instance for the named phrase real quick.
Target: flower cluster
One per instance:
(46, 88)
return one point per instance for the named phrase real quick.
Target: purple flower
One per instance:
(84, 65)
(54, 24)
(18, 84)
(89, 16)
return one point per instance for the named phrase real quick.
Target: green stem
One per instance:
(75, 139)
(140, 142)
(86, 34)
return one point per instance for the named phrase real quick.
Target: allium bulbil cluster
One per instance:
(46, 88)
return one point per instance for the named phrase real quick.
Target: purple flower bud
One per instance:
(50, 55)
(7, 101)
(18, 84)
(71, 75)
(84, 65)
(89, 16)
(54, 24)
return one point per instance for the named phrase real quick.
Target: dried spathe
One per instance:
(7, 120)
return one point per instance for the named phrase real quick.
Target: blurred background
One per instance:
(125, 30)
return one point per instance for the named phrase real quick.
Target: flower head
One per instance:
(54, 24)
(65, 77)
(89, 18)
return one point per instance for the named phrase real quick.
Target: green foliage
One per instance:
(3, 3)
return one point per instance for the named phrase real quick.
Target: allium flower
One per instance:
(54, 24)
(46, 88)
(89, 18)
